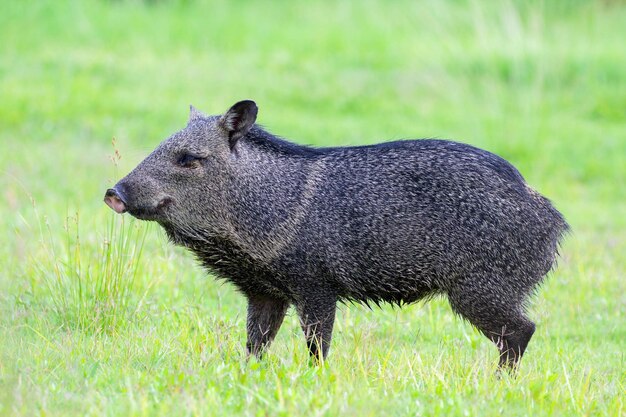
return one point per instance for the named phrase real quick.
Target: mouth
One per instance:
(150, 213)
(144, 214)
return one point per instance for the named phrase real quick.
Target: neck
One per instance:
(270, 196)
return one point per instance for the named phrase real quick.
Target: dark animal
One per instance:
(395, 222)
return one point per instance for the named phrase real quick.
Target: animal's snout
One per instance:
(114, 198)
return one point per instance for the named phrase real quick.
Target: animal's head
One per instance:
(181, 183)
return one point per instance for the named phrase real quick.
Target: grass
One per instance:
(93, 291)
(101, 316)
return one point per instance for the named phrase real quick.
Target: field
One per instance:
(100, 315)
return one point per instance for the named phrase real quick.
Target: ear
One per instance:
(194, 114)
(238, 120)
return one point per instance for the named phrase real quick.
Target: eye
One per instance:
(188, 160)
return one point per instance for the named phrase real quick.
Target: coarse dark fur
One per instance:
(396, 222)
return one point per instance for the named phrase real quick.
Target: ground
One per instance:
(99, 315)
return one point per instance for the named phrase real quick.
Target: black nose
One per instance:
(113, 192)
(114, 198)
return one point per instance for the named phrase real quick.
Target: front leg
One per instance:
(317, 316)
(265, 315)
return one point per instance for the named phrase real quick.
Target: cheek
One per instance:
(182, 176)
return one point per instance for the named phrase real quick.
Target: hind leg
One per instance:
(498, 316)
(512, 339)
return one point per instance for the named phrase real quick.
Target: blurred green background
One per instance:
(541, 83)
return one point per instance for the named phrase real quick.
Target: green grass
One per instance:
(100, 316)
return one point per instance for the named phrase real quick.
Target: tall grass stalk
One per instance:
(92, 287)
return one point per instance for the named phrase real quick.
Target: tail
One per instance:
(560, 228)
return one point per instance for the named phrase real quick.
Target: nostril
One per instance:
(113, 199)
(117, 191)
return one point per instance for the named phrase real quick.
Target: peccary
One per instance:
(395, 222)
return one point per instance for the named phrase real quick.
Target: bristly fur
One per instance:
(395, 222)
